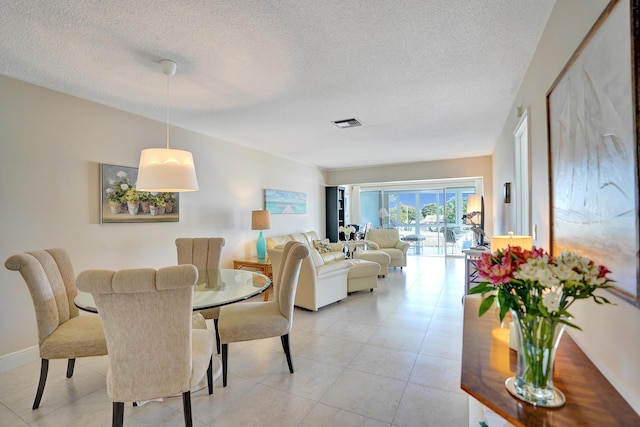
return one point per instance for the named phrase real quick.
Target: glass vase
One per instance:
(538, 339)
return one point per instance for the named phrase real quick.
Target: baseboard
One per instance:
(19, 358)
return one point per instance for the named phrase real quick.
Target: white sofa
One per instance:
(323, 277)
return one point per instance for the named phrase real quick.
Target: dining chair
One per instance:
(154, 351)
(205, 254)
(265, 319)
(62, 332)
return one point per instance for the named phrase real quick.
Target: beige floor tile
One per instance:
(366, 394)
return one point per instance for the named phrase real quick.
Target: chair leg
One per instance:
(215, 327)
(117, 419)
(210, 376)
(186, 407)
(44, 369)
(287, 351)
(225, 350)
(70, 365)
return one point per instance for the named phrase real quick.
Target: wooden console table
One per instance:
(255, 264)
(487, 362)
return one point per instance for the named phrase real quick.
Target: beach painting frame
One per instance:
(592, 118)
(285, 202)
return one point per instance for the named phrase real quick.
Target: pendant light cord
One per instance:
(167, 112)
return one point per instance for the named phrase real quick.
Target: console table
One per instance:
(470, 272)
(487, 362)
(261, 265)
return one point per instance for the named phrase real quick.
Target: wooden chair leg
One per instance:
(215, 327)
(186, 407)
(117, 419)
(224, 364)
(287, 351)
(44, 369)
(70, 365)
(210, 376)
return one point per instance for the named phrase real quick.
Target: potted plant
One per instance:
(115, 194)
(169, 199)
(157, 204)
(145, 200)
(133, 200)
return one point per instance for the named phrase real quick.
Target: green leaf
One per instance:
(481, 288)
(486, 304)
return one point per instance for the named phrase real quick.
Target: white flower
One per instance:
(121, 174)
(124, 186)
(551, 298)
(109, 190)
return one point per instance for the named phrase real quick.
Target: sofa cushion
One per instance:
(310, 236)
(322, 246)
(272, 242)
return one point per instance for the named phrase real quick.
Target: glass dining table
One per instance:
(214, 288)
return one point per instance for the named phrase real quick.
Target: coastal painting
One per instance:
(593, 151)
(285, 202)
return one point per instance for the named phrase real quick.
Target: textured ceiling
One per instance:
(428, 79)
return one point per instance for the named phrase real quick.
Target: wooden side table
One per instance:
(255, 264)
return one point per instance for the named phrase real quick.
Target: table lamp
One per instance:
(261, 220)
(502, 242)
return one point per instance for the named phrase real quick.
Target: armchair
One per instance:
(388, 240)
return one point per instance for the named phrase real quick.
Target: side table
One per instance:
(254, 264)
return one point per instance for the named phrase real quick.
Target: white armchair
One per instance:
(388, 240)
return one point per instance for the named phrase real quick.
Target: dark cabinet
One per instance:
(335, 205)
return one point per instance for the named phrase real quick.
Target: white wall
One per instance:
(52, 145)
(611, 334)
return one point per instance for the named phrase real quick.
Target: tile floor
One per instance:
(387, 358)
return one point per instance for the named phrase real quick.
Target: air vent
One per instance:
(348, 123)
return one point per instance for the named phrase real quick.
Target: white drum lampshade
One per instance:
(502, 242)
(166, 170)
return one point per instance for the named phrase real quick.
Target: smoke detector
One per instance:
(348, 123)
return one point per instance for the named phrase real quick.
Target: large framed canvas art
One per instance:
(592, 112)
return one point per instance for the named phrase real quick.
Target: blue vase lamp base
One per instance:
(557, 401)
(261, 247)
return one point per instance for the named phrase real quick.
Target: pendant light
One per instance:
(165, 169)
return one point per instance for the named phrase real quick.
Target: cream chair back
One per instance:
(203, 252)
(147, 323)
(292, 256)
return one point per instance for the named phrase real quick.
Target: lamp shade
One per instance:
(260, 220)
(502, 242)
(166, 170)
(474, 205)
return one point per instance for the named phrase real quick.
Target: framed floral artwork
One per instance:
(592, 113)
(121, 202)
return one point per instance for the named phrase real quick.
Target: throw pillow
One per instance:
(322, 246)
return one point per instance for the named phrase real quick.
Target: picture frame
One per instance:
(592, 123)
(116, 181)
(285, 202)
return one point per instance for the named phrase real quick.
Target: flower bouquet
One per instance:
(537, 289)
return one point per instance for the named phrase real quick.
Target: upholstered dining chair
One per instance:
(265, 319)
(204, 253)
(153, 350)
(62, 332)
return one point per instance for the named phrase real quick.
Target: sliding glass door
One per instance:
(430, 219)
